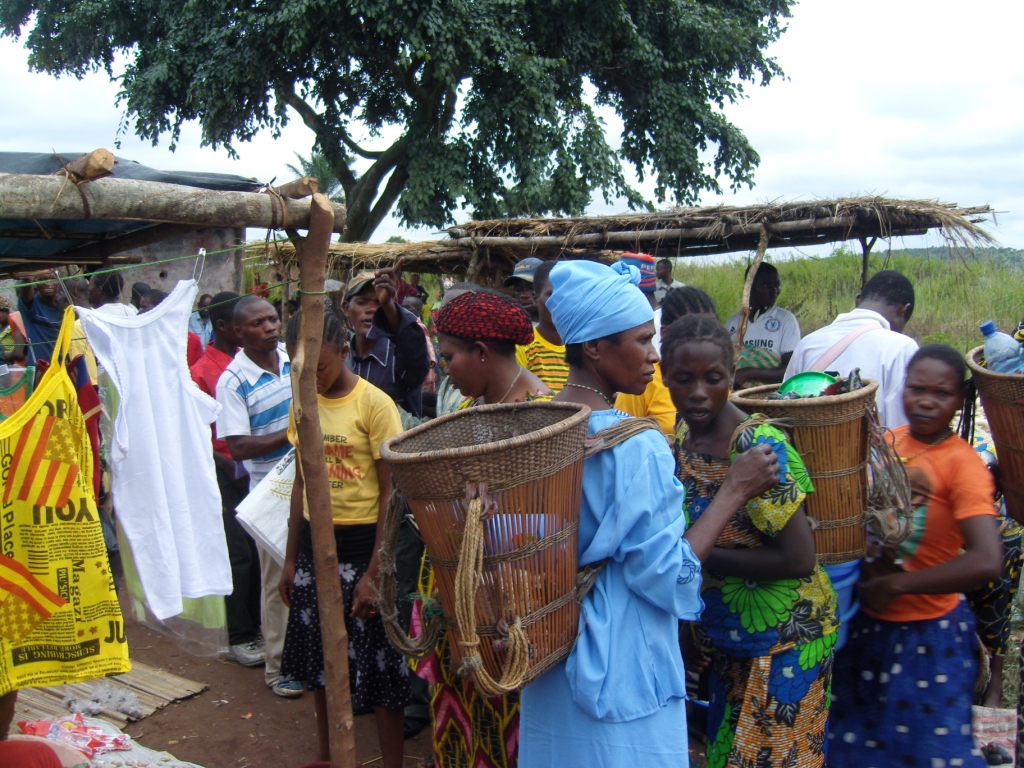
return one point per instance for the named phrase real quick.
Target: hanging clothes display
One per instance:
(59, 617)
(164, 483)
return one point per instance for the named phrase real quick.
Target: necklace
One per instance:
(591, 389)
(502, 400)
(906, 459)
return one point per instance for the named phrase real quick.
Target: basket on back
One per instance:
(525, 460)
(1002, 397)
(831, 435)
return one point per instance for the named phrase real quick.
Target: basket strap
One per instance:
(467, 578)
(386, 602)
(617, 433)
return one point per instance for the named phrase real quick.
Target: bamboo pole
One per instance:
(25, 196)
(311, 252)
(741, 327)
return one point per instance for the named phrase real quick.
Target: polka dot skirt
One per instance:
(901, 694)
(378, 675)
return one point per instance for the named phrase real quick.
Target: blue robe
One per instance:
(619, 699)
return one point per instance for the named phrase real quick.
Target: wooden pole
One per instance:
(299, 188)
(97, 163)
(865, 271)
(24, 196)
(311, 252)
(741, 328)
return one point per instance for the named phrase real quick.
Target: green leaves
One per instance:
(493, 100)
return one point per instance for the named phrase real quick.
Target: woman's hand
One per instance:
(364, 602)
(877, 593)
(284, 586)
(753, 472)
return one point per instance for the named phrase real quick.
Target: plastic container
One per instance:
(1003, 354)
(807, 384)
(844, 578)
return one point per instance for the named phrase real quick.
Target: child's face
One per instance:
(931, 397)
(697, 377)
(330, 366)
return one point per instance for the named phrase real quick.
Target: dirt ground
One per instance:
(255, 729)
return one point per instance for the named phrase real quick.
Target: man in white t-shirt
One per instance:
(772, 332)
(881, 351)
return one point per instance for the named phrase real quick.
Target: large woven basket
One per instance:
(1002, 397)
(831, 434)
(530, 456)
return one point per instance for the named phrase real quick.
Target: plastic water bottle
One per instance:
(1002, 352)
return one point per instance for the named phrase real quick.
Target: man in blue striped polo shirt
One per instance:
(255, 392)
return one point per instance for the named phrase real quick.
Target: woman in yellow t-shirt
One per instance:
(355, 418)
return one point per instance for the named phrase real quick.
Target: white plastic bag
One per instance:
(264, 512)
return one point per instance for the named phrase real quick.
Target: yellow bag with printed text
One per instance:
(60, 621)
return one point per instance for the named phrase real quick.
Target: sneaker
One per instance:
(250, 654)
(289, 690)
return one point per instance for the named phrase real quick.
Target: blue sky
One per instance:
(900, 98)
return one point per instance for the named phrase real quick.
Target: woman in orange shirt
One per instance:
(902, 685)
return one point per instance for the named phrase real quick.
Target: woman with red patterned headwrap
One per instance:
(477, 337)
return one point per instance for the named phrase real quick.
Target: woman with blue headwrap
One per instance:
(619, 697)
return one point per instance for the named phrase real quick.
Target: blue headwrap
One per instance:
(589, 300)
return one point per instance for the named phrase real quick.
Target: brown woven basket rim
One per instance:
(869, 388)
(977, 352)
(582, 413)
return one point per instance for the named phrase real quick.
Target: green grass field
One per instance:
(953, 296)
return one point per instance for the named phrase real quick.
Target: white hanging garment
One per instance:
(164, 481)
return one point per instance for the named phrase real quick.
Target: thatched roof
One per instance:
(491, 248)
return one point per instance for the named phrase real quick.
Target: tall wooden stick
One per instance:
(311, 252)
(865, 247)
(741, 328)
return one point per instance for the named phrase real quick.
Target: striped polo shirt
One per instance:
(255, 402)
(545, 360)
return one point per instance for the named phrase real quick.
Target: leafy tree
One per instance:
(316, 165)
(486, 104)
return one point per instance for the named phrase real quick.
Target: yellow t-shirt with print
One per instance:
(353, 427)
(544, 360)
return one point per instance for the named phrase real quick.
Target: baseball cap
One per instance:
(524, 270)
(358, 283)
(645, 263)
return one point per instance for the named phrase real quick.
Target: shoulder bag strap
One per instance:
(840, 346)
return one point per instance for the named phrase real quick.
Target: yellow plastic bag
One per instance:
(60, 621)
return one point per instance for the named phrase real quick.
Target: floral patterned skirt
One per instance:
(378, 675)
(769, 711)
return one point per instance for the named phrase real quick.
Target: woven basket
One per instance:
(831, 434)
(1002, 397)
(530, 455)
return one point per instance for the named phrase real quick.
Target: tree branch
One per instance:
(365, 191)
(314, 122)
(387, 199)
(369, 155)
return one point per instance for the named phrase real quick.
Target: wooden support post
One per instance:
(741, 327)
(299, 188)
(865, 270)
(311, 252)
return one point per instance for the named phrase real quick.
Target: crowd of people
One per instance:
(710, 564)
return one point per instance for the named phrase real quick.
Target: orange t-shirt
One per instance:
(948, 483)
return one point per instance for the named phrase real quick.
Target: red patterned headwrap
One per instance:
(485, 317)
